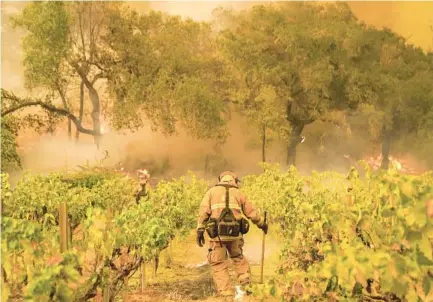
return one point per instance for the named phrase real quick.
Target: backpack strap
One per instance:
(227, 209)
(227, 198)
(227, 186)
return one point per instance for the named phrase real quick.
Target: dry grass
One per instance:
(184, 274)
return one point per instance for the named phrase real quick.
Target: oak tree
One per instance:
(166, 70)
(296, 54)
(397, 81)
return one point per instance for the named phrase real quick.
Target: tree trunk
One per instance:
(95, 114)
(96, 110)
(69, 129)
(96, 104)
(81, 113)
(264, 143)
(386, 146)
(66, 106)
(294, 140)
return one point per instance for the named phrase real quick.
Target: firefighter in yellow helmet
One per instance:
(144, 179)
(222, 215)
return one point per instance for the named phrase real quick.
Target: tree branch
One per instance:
(126, 270)
(23, 103)
(229, 101)
(80, 18)
(97, 76)
(98, 65)
(82, 74)
(91, 292)
(293, 118)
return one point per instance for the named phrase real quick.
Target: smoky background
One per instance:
(327, 147)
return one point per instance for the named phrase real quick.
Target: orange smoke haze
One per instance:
(413, 20)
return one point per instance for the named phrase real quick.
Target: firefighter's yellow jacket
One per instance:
(214, 202)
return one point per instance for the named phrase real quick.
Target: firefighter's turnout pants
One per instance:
(219, 251)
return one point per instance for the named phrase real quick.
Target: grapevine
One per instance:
(372, 241)
(111, 234)
(367, 235)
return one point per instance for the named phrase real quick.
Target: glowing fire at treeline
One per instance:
(402, 165)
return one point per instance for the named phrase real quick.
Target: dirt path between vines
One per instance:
(184, 274)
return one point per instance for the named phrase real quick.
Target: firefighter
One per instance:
(143, 177)
(143, 191)
(222, 215)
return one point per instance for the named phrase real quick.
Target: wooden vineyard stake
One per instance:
(69, 231)
(106, 290)
(142, 276)
(63, 222)
(125, 289)
(155, 265)
(106, 295)
(169, 255)
(263, 255)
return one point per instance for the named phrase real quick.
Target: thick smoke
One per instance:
(174, 156)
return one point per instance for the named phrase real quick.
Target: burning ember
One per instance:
(375, 163)
(143, 175)
(104, 126)
(398, 164)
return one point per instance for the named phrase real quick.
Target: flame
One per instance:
(104, 126)
(396, 163)
(375, 162)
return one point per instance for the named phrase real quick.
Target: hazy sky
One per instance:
(413, 20)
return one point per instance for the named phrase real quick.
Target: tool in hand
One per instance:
(263, 253)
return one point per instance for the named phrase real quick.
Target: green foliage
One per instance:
(55, 282)
(155, 65)
(337, 241)
(9, 155)
(294, 63)
(35, 195)
(47, 43)
(288, 57)
(27, 249)
(62, 56)
(178, 201)
(396, 77)
(169, 72)
(285, 65)
(169, 211)
(103, 214)
(374, 240)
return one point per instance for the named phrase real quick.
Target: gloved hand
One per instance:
(200, 237)
(264, 228)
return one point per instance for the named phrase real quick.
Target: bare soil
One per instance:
(185, 275)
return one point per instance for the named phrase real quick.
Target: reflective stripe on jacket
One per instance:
(214, 202)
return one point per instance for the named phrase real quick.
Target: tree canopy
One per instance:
(168, 71)
(397, 79)
(152, 63)
(307, 61)
(282, 65)
(295, 56)
(9, 155)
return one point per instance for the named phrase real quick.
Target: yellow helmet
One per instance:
(143, 176)
(228, 176)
